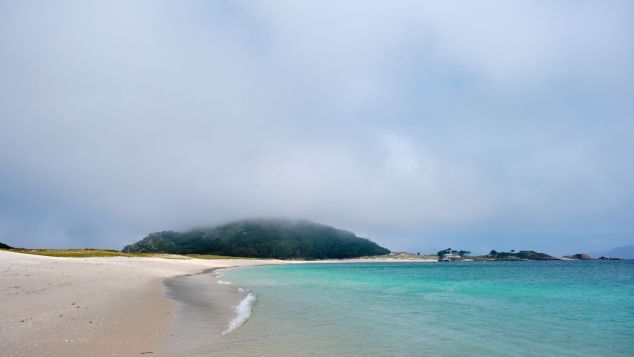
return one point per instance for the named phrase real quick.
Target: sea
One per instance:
(525, 308)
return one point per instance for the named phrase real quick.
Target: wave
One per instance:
(219, 272)
(243, 311)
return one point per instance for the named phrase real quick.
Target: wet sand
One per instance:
(203, 312)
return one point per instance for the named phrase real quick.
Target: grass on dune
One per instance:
(76, 253)
(90, 252)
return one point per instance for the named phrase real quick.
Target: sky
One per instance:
(421, 125)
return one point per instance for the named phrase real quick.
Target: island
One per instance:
(578, 256)
(521, 255)
(453, 255)
(262, 238)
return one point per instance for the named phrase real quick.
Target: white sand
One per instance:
(89, 306)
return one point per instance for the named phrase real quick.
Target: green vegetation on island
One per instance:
(521, 255)
(262, 238)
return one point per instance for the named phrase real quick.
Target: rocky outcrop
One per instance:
(579, 256)
(521, 255)
(532, 255)
(608, 258)
(4, 246)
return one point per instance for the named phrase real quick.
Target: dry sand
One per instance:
(89, 306)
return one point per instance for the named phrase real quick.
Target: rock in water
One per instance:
(579, 256)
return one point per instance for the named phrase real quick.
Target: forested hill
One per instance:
(259, 238)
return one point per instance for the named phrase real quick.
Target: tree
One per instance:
(493, 253)
(446, 251)
(464, 253)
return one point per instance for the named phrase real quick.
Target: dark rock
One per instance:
(508, 257)
(579, 256)
(532, 255)
(521, 255)
(608, 258)
(4, 246)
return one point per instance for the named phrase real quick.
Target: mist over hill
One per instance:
(262, 238)
(625, 252)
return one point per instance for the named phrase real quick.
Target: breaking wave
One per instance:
(243, 311)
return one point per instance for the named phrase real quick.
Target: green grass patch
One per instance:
(89, 252)
(77, 253)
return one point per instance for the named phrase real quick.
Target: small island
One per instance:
(452, 255)
(603, 257)
(579, 256)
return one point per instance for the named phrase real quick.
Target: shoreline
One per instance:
(204, 310)
(100, 306)
(112, 306)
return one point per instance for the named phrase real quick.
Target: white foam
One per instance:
(219, 274)
(243, 311)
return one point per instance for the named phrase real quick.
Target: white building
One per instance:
(450, 257)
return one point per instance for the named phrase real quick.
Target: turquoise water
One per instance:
(385, 309)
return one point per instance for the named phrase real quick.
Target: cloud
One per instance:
(410, 122)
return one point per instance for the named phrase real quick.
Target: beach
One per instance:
(114, 306)
(181, 306)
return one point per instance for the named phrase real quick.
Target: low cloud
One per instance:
(418, 124)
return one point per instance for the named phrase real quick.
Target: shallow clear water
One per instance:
(383, 309)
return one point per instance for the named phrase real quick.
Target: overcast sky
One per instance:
(419, 124)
